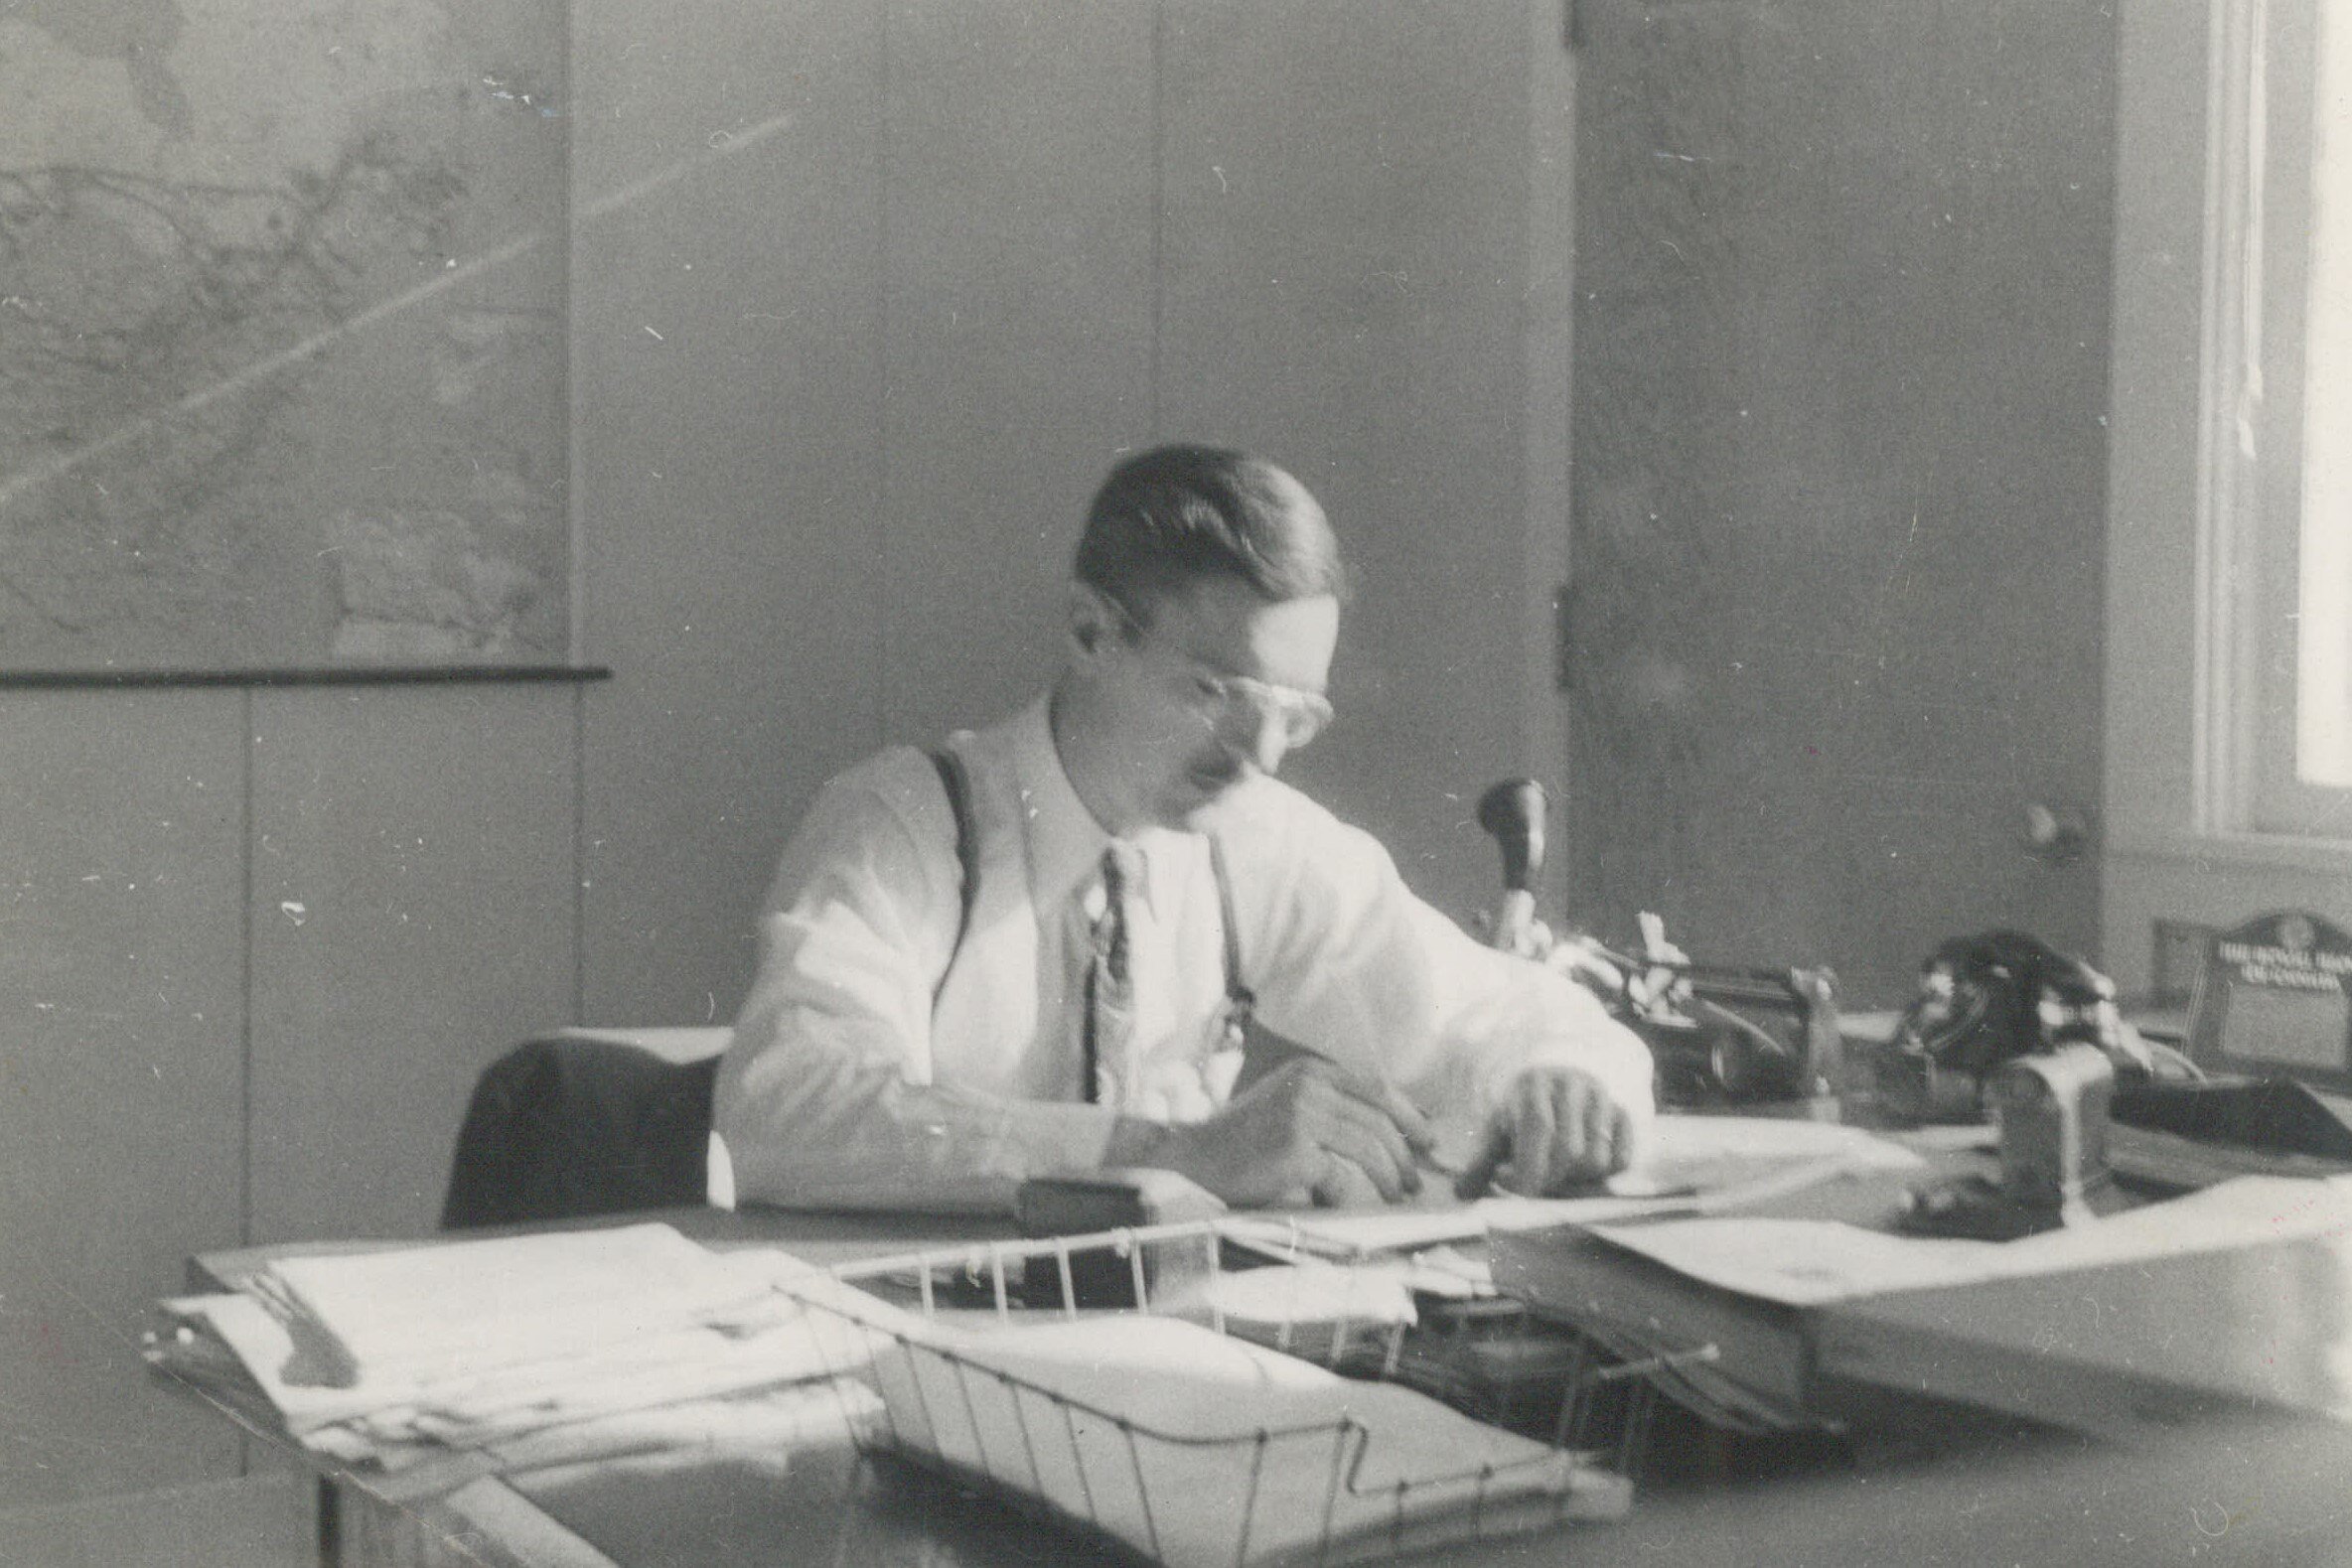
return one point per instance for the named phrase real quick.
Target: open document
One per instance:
(1695, 1165)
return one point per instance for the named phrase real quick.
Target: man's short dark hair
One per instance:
(1170, 517)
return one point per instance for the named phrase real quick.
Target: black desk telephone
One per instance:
(1984, 1001)
(2006, 1026)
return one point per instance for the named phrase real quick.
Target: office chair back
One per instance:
(565, 1128)
(582, 1125)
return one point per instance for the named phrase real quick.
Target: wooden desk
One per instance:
(2268, 1489)
(2271, 1494)
(2274, 1494)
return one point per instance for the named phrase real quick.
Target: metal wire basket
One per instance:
(1102, 1382)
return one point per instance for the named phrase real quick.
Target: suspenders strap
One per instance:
(1241, 1001)
(967, 846)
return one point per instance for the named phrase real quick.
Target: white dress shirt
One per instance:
(846, 1086)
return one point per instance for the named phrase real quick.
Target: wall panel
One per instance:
(726, 425)
(122, 1106)
(413, 868)
(1345, 289)
(1016, 333)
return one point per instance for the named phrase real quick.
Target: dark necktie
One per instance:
(1109, 1032)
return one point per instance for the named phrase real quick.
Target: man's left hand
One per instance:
(1557, 1127)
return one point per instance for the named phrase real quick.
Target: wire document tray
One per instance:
(1121, 1385)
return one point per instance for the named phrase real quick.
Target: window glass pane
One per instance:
(2324, 705)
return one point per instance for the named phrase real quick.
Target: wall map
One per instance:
(281, 334)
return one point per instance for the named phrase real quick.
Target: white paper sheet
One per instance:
(1697, 1164)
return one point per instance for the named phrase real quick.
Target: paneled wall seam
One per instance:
(880, 486)
(1159, 207)
(579, 850)
(246, 873)
(1546, 329)
(574, 486)
(1529, 761)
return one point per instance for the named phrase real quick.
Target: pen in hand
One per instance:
(1404, 1123)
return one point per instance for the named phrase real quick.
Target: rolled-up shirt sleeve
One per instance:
(826, 1097)
(1352, 965)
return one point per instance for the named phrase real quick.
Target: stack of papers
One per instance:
(550, 1347)
(422, 1314)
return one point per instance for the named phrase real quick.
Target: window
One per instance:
(2228, 784)
(2275, 730)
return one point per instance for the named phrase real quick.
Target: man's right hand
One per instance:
(1305, 1128)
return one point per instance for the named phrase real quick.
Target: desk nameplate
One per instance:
(2275, 997)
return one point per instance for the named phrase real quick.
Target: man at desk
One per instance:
(1142, 885)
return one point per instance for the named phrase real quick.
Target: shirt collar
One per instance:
(1066, 843)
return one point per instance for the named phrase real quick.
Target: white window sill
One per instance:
(2237, 850)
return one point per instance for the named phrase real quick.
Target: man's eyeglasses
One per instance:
(1223, 701)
